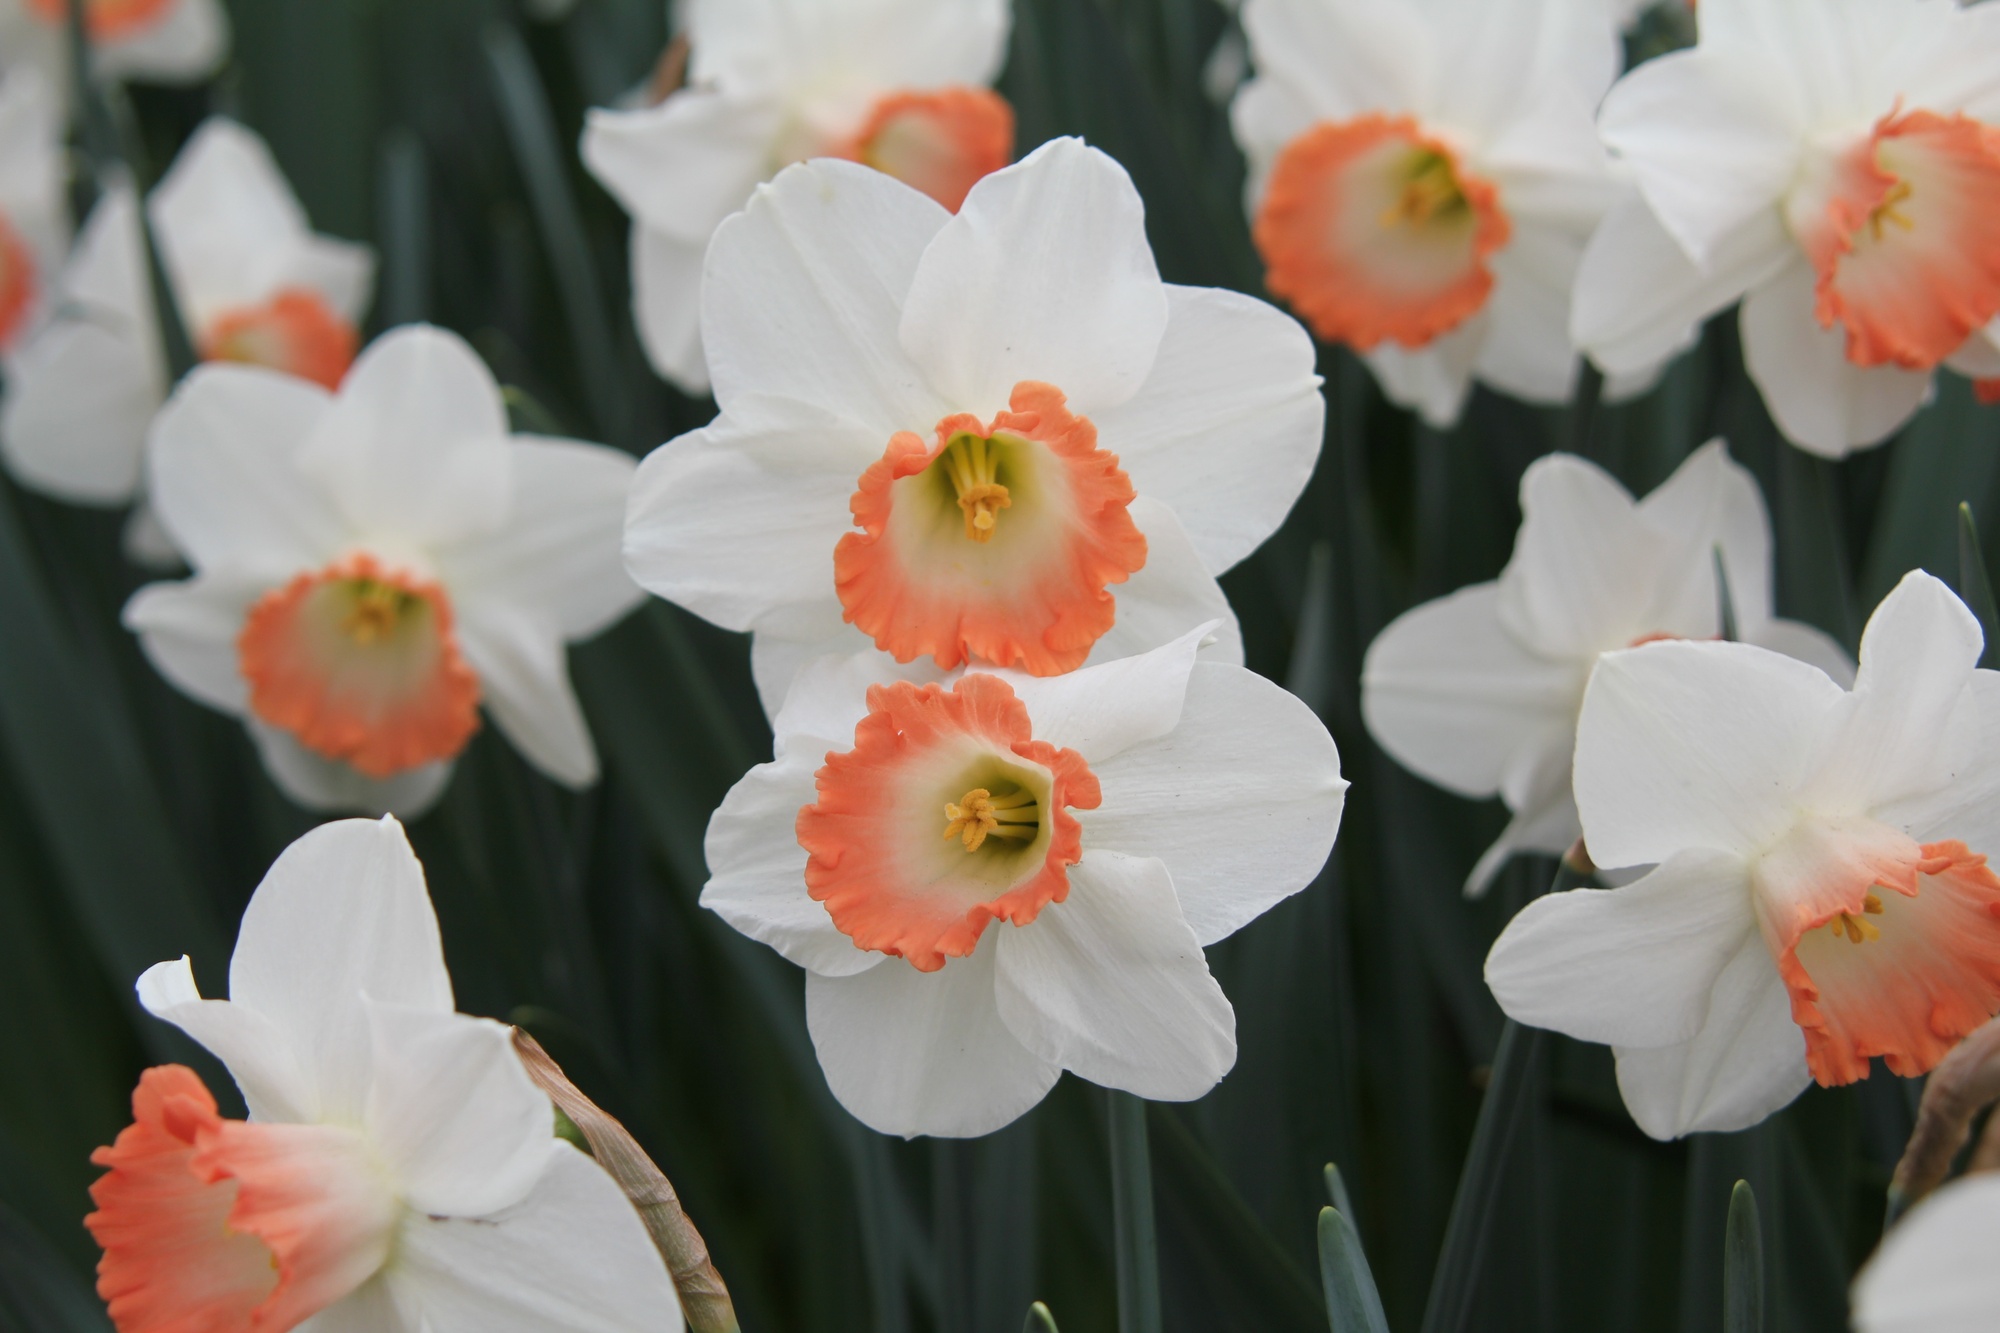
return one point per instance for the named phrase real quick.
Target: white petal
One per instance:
(828, 696)
(415, 443)
(1349, 58)
(757, 870)
(1527, 350)
(227, 222)
(256, 1052)
(803, 293)
(1710, 493)
(683, 165)
(81, 391)
(225, 477)
(573, 1255)
(558, 557)
(452, 1112)
(911, 1052)
(1711, 146)
(1455, 698)
(1112, 985)
(1893, 735)
(1241, 801)
(1172, 593)
(1266, 115)
(1631, 966)
(524, 685)
(1433, 380)
(189, 632)
(1694, 745)
(319, 783)
(666, 304)
(1640, 300)
(1808, 644)
(1747, 1062)
(737, 522)
(776, 663)
(343, 912)
(1045, 274)
(1103, 710)
(185, 46)
(341, 272)
(1547, 824)
(1823, 402)
(1934, 1272)
(1227, 427)
(1494, 56)
(1968, 806)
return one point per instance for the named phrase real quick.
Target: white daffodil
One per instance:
(900, 85)
(399, 1172)
(995, 436)
(1934, 1272)
(34, 223)
(1479, 691)
(155, 41)
(1834, 164)
(253, 282)
(370, 567)
(1107, 825)
(1423, 177)
(1821, 895)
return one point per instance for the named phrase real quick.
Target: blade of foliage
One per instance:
(1352, 1304)
(1039, 1320)
(1135, 1236)
(1743, 1265)
(1974, 584)
(38, 1292)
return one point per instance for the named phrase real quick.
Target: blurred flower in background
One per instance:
(1821, 895)
(1934, 1272)
(1423, 177)
(252, 281)
(1479, 691)
(34, 218)
(399, 1171)
(162, 41)
(1109, 824)
(900, 85)
(373, 567)
(1050, 453)
(1836, 167)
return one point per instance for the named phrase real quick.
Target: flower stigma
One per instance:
(973, 466)
(1887, 210)
(1430, 191)
(1857, 930)
(980, 815)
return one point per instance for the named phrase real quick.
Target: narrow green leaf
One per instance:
(1743, 1265)
(543, 163)
(1336, 1191)
(1974, 585)
(1352, 1303)
(404, 220)
(1134, 1236)
(1039, 1320)
(1725, 599)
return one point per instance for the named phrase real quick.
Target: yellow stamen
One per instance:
(377, 608)
(1430, 190)
(1886, 211)
(1853, 927)
(980, 815)
(970, 463)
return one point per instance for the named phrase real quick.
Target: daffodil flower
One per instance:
(1934, 1272)
(399, 1172)
(34, 224)
(995, 879)
(253, 282)
(1479, 691)
(156, 41)
(900, 85)
(1423, 177)
(374, 566)
(994, 436)
(1833, 164)
(1821, 895)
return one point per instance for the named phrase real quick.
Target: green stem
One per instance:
(1133, 1236)
(1743, 1265)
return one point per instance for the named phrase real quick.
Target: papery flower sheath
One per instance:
(374, 567)
(1934, 1272)
(1833, 164)
(253, 282)
(901, 85)
(155, 41)
(1479, 691)
(996, 878)
(399, 1172)
(1821, 895)
(995, 436)
(1423, 177)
